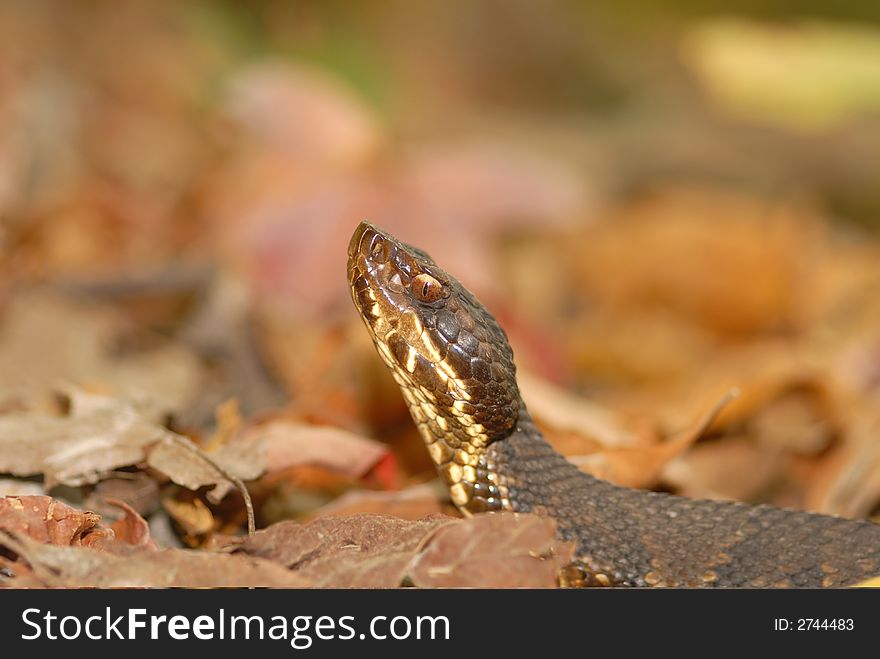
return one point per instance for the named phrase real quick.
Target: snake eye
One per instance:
(426, 288)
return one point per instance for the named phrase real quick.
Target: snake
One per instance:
(455, 368)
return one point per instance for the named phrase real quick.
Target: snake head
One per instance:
(447, 352)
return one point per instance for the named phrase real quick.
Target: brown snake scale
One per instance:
(455, 369)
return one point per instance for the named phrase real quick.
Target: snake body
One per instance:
(456, 371)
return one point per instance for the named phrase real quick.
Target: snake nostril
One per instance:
(378, 249)
(361, 235)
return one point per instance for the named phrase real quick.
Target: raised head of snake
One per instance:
(448, 354)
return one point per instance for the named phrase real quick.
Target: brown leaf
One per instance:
(50, 521)
(291, 444)
(194, 517)
(411, 503)
(360, 551)
(136, 489)
(46, 520)
(641, 466)
(563, 410)
(847, 482)
(730, 468)
(13, 487)
(314, 363)
(229, 423)
(506, 550)
(800, 420)
(182, 462)
(99, 434)
(75, 567)
(131, 528)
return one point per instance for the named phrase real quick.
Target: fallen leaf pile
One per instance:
(49, 544)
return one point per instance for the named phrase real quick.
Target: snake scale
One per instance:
(455, 369)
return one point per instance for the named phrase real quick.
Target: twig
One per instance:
(186, 443)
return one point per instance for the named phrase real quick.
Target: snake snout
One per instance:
(371, 243)
(364, 231)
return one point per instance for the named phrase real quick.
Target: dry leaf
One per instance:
(99, 434)
(562, 410)
(136, 489)
(131, 528)
(800, 421)
(75, 567)
(182, 462)
(641, 466)
(847, 482)
(11, 487)
(729, 468)
(50, 521)
(194, 517)
(290, 444)
(497, 550)
(411, 503)
(47, 520)
(229, 424)
(361, 551)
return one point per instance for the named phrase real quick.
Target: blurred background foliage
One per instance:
(659, 200)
